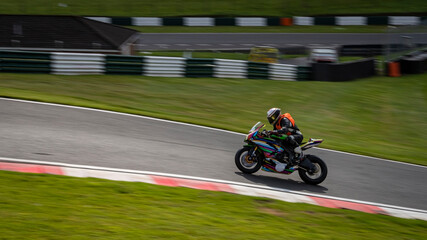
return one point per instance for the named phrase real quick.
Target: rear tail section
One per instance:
(311, 143)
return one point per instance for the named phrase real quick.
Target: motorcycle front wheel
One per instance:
(246, 163)
(317, 176)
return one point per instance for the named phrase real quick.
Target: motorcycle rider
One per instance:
(285, 124)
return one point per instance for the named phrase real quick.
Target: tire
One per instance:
(244, 164)
(319, 175)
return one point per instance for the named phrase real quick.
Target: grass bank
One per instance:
(35, 206)
(381, 116)
(279, 8)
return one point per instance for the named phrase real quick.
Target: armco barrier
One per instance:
(225, 68)
(27, 65)
(30, 62)
(147, 21)
(262, 21)
(404, 20)
(199, 22)
(130, 65)
(164, 66)
(304, 73)
(89, 63)
(283, 72)
(199, 68)
(303, 21)
(251, 22)
(347, 21)
(24, 55)
(77, 63)
(258, 70)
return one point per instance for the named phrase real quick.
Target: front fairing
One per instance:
(256, 127)
(267, 145)
(254, 131)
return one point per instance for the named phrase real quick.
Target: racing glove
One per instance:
(273, 132)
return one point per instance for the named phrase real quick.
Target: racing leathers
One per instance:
(286, 125)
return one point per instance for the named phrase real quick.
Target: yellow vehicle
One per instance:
(264, 54)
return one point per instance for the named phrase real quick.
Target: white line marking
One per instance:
(207, 180)
(191, 125)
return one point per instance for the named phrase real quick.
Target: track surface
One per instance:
(79, 136)
(182, 41)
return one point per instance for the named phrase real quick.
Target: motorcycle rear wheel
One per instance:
(318, 176)
(246, 164)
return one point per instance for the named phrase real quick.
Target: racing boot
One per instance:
(291, 161)
(279, 156)
(298, 154)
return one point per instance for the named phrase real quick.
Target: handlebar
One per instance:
(265, 133)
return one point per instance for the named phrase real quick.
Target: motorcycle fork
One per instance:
(252, 153)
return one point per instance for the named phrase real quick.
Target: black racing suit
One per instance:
(294, 138)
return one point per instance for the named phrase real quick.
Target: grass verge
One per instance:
(36, 206)
(381, 116)
(147, 8)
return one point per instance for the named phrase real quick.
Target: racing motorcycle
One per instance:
(262, 150)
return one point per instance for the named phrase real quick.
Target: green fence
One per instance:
(199, 67)
(258, 70)
(28, 62)
(129, 65)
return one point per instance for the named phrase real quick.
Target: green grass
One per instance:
(280, 8)
(37, 206)
(381, 116)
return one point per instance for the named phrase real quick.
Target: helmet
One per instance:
(273, 115)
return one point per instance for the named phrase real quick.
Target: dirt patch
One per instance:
(272, 211)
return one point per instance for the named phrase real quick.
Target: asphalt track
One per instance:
(198, 41)
(47, 132)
